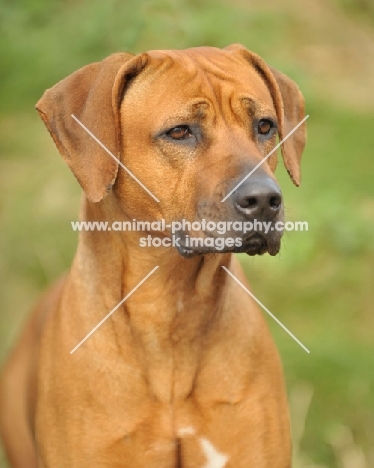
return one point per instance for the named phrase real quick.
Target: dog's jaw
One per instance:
(256, 244)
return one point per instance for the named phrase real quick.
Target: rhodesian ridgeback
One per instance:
(184, 373)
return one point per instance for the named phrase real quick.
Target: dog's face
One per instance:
(191, 125)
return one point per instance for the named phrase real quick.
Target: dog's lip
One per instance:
(256, 244)
(189, 253)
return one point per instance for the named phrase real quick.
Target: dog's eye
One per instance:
(264, 126)
(180, 133)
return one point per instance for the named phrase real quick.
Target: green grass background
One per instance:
(322, 284)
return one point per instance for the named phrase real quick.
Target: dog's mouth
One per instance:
(256, 244)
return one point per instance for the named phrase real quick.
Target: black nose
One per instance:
(258, 198)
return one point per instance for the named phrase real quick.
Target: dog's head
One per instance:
(190, 126)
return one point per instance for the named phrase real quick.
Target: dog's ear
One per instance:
(93, 94)
(289, 105)
(294, 112)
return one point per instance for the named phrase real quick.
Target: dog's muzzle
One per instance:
(257, 202)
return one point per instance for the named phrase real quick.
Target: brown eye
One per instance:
(264, 126)
(180, 133)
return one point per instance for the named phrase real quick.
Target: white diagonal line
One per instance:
(113, 310)
(266, 310)
(116, 159)
(266, 157)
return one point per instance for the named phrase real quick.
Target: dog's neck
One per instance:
(122, 258)
(171, 313)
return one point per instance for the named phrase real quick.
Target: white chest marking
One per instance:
(186, 431)
(214, 458)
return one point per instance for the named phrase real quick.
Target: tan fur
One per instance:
(189, 349)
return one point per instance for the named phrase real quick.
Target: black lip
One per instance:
(189, 253)
(256, 244)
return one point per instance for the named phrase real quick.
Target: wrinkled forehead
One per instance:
(190, 77)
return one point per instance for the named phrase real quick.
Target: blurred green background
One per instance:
(322, 284)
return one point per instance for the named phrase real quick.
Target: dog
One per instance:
(184, 373)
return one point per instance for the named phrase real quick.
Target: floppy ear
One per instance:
(294, 112)
(93, 94)
(289, 105)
